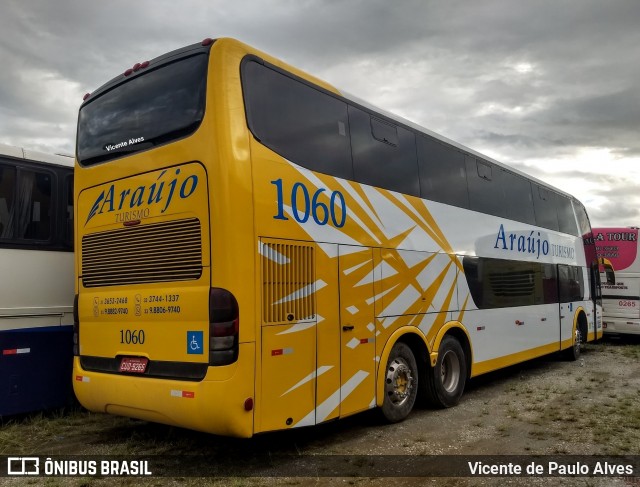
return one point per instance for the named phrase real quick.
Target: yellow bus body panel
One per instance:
(213, 405)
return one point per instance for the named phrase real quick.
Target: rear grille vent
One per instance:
(161, 252)
(288, 292)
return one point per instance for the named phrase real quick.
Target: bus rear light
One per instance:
(144, 64)
(128, 72)
(224, 327)
(86, 95)
(222, 343)
(207, 42)
(76, 327)
(136, 67)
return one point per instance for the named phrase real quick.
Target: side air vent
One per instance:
(161, 252)
(288, 290)
(510, 284)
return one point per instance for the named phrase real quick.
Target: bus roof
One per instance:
(31, 155)
(442, 138)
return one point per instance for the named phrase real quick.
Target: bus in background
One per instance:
(36, 280)
(258, 251)
(618, 253)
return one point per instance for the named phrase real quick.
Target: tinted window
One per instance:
(583, 220)
(7, 190)
(566, 218)
(485, 195)
(544, 203)
(299, 122)
(384, 154)
(443, 175)
(496, 283)
(384, 131)
(25, 204)
(571, 283)
(67, 205)
(150, 109)
(34, 200)
(518, 198)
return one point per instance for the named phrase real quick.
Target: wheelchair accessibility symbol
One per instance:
(195, 342)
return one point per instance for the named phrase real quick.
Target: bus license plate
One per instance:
(134, 365)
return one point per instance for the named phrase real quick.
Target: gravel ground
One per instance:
(544, 407)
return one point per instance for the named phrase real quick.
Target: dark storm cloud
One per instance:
(520, 80)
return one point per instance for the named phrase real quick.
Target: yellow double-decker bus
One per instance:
(258, 251)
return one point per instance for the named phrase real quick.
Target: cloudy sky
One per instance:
(550, 87)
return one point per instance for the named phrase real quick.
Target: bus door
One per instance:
(569, 291)
(288, 371)
(357, 324)
(595, 288)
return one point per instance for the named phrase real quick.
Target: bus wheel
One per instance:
(573, 353)
(401, 383)
(445, 381)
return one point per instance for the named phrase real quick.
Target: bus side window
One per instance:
(517, 195)
(297, 121)
(485, 195)
(67, 202)
(583, 219)
(571, 283)
(566, 217)
(34, 193)
(497, 283)
(443, 174)
(7, 189)
(384, 154)
(544, 204)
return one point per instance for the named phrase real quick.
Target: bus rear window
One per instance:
(157, 107)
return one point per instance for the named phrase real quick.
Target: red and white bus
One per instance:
(618, 253)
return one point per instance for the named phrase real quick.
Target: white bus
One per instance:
(618, 251)
(36, 280)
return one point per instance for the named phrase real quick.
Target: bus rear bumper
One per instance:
(214, 405)
(622, 326)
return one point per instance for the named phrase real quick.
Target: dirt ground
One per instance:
(545, 407)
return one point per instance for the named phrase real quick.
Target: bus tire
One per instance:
(446, 380)
(573, 352)
(401, 383)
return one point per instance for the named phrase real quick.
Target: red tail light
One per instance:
(224, 327)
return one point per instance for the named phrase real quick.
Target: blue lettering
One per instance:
(108, 199)
(136, 199)
(530, 244)
(153, 194)
(172, 186)
(123, 195)
(152, 190)
(94, 208)
(502, 237)
(183, 193)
